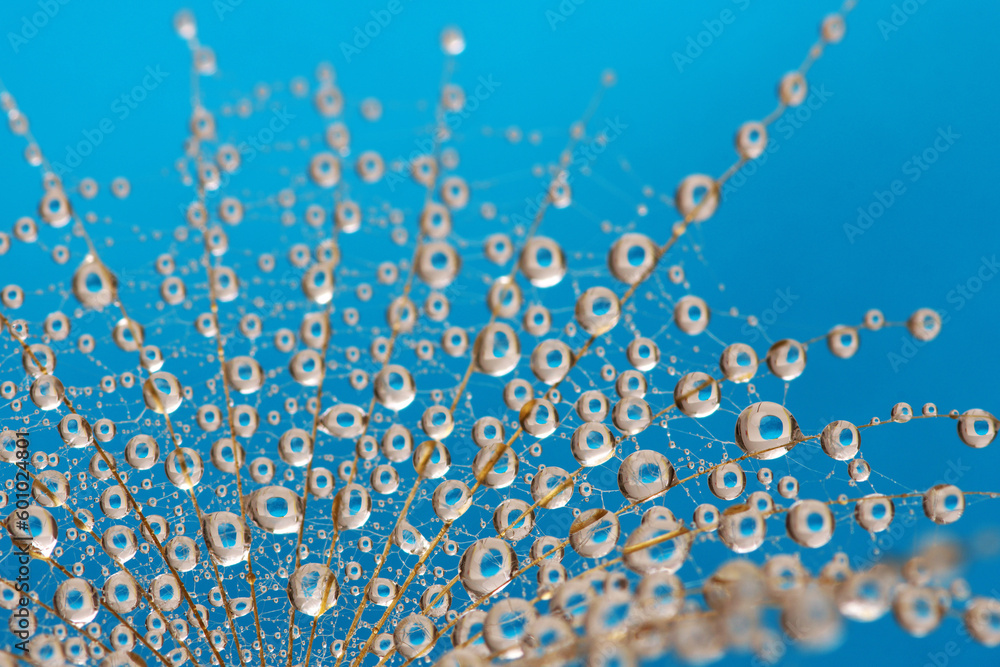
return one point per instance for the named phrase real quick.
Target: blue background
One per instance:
(783, 230)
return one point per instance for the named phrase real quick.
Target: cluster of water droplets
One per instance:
(284, 446)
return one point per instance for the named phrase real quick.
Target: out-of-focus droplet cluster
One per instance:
(327, 422)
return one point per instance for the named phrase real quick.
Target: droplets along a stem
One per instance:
(435, 484)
